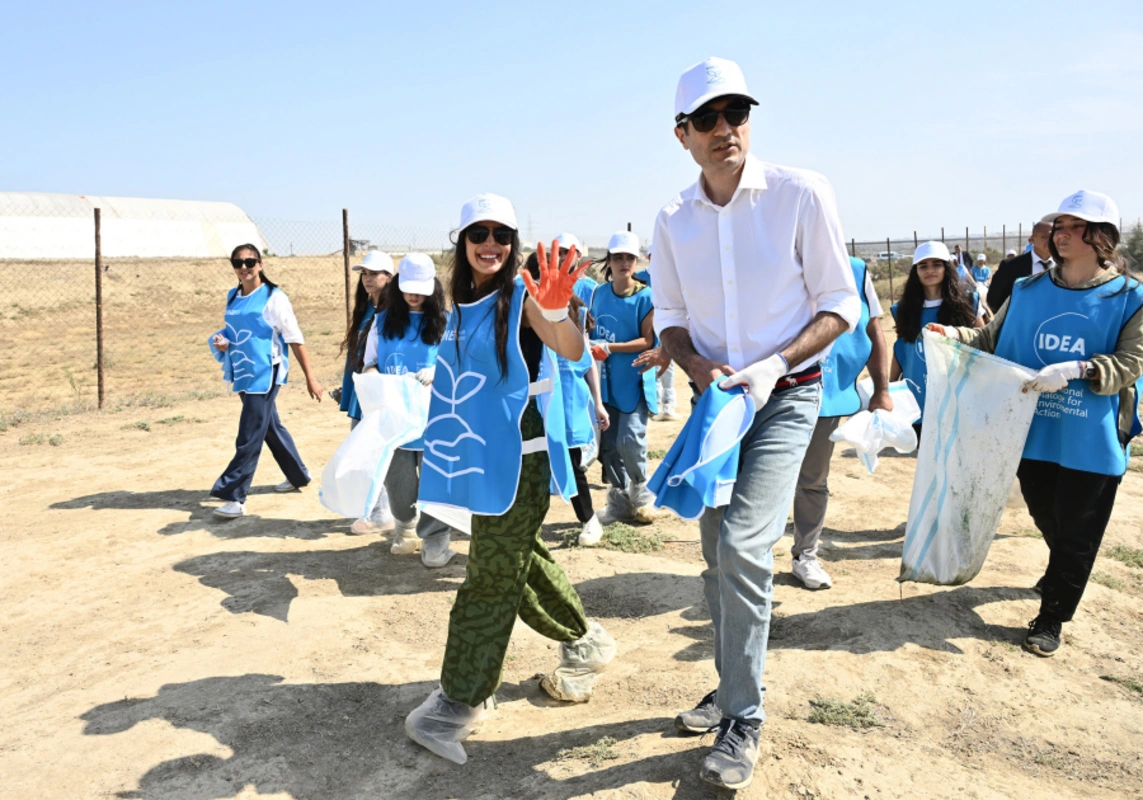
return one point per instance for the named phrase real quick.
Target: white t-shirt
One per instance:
(871, 297)
(279, 315)
(936, 303)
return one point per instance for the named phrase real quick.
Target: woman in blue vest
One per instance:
(494, 445)
(933, 293)
(981, 272)
(374, 274)
(1080, 326)
(404, 339)
(624, 328)
(260, 322)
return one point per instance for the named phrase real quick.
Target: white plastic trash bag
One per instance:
(904, 402)
(394, 411)
(976, 421)
(871, 432)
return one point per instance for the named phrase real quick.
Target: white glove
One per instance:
(948, 331)
(1055, 377)
(759, 379)
(426, 375)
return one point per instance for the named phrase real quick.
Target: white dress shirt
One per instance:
(1040, 264)
(747, 278)
(279, 315)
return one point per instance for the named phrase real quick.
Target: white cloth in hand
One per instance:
(1055, 377)
(759, 379)
(426, 375)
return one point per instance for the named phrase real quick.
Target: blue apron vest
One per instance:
(405, 355)
(911, 357)
(579, 407)
(1046, 324)
(619, 319)
(584, 288)
(472, 443)
(643, 276)
(349, 402)
(848, 357)
(247, 363)
(981, 274)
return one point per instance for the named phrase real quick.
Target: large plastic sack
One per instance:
(976, 421)
(581, 662)
(904, 402)
(871, 432)
(394, 411)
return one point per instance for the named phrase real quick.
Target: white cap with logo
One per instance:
(486, 207)
(982, 257)
(931, 250)
(624, 242)
(709, 79)
(1088, 206)
(568, 241)
(416, 274)
(1010, 252)
(376, 261)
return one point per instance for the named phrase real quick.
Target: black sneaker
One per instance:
(1043, 637)
(1039, 587)
(702, 718)
(731, 760)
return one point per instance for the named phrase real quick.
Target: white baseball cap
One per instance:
(568, 241)
(486, 207)
(376, 261)
(624, 242)
(706, 80)
(931, 250)
(982, 257)
(1010, 252)
(416, 274)
(1088, 206)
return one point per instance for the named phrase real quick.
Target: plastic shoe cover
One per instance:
(406, 542)
(592, 533)
(435, 551)
(440, 725)
(618, 507)
(363, 525)
(580, 662)
(642, 503)
(382, 517)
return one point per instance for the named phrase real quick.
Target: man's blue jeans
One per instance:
(738, 541)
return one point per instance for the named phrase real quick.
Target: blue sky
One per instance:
(921, 114)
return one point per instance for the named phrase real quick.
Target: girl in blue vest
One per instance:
(404, 340)
(583, 411)
(933, 293)
(624, 328)
(981, 272)
(260, 322)
(374, 274)
(1080, 326)
(490, 450)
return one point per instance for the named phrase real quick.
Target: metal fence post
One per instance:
(345, 258)
(942, 234)
(985, 248)
(99, 306)
(889, 257)
(916, 244)
(966, 239)
(853, 247)
(1004, 239)
(1021, 233)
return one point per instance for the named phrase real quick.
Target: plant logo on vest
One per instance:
(1063, 338)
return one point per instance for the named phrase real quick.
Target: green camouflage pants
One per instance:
(509, 572)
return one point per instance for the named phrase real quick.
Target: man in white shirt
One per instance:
(752, 286)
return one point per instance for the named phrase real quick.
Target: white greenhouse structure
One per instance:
(62, 226)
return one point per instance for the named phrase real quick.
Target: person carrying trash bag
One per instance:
(494, 445)
(1079, 324)
(404, 339)
(850, 354)
(375, 272)
(624, 329)
(933, 293)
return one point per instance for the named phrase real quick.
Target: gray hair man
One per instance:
(752, 286)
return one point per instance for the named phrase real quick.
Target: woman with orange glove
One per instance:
(494, 445)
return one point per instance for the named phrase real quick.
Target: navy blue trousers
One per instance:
(259, 423)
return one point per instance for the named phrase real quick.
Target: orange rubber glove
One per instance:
(557, 280)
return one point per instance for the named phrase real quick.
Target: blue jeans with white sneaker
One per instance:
(738, 541)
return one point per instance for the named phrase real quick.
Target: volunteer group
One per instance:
(535, 369)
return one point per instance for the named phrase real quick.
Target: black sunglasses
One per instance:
(477, 234)
(249, 263)
(735, 114)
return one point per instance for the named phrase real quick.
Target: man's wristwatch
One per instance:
(1090, 371)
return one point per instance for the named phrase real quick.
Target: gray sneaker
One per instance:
(703, 718)
(731, 760)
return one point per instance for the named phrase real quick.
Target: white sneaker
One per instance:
(435, 551)
(285, 486)
(231, 510)
(406, 542)
(592, 532)
(810, 572)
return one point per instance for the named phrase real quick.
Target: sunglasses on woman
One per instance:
(478, 234)
(735, 114)
(249, 263)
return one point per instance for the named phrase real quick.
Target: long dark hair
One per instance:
(532, 264)
(956, 308)
(605, 267)
(253, 249)
(432, 325)
(462, 289)
(353, 341)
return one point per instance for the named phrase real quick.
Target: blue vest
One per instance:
(980, 274)
(579, 408)
(584, 288)
(473, 446)
(643, 276)
(702, 465)
(1047, 324)
(349, 402)
(848, 357)
(911, 357)
(247, 363)
(405, 355)
(619, 319)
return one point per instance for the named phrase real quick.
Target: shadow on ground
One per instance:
(347, 740)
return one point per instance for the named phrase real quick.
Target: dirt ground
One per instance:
(152, 651)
